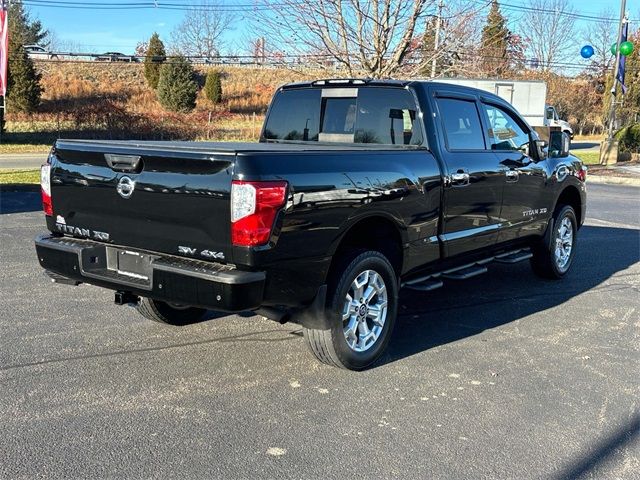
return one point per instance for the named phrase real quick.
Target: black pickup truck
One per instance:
(357, 188)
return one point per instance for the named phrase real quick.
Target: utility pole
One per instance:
(609, 149)
(612, 111)
(436, 43)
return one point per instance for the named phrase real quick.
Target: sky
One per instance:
(120, 30)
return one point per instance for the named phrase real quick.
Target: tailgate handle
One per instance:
(124, 163)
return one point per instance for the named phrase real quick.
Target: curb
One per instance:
(599, 179)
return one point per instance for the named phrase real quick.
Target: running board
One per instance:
(466, 273)
(514, 257)
(426, 285)
(434, 280)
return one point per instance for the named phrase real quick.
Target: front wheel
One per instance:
(554, 260)
(363, 303)
(169, 313)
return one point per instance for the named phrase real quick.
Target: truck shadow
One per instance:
(508, 293)
(19, 199)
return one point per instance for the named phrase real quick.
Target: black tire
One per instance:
(544, 261)
(162, 312)
(330, 346)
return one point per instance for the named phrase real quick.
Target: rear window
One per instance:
(294, 115)
(386, 116)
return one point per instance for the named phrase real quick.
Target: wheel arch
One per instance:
(377, 231)
(570, 195)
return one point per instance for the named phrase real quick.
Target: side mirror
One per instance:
(558, 144)
(541, 147)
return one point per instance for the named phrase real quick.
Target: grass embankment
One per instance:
(19, 176)
(112, 101)
(589, 158)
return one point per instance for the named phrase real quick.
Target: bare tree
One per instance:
(200, 32)
(600, 35)
(371, 36)
(57, 44)
(549, 31)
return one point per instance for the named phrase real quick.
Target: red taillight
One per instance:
(45, 186)
(582, 174)
(254, 206)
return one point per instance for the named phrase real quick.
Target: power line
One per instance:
(261, 6)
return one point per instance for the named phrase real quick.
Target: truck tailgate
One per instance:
(168, 200)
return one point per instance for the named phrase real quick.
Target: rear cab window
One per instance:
(363, 115)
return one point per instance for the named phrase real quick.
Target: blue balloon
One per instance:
(587, 51)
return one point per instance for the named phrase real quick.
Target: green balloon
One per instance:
(614, 48)
(626, 48)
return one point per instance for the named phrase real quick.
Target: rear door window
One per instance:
(461, 123)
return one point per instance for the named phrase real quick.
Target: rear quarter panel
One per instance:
(329, 192)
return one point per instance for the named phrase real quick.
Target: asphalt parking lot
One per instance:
(502, 376)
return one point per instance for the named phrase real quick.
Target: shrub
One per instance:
(155, 56)
(629, 138)
(213, 87)
(177, 89)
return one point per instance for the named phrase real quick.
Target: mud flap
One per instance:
(315, 316)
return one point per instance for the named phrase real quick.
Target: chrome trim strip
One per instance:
(446, 237)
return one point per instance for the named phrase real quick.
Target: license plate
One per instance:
(133, 264)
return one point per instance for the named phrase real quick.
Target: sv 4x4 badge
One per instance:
(205, 253)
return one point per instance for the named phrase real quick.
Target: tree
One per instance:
(213, 87)
(177, 88)
(200, 32)
(31, 30)
(23, 82)
(359, 35)
(550, 32)
(629, 110)
(155, 56)
(495, 43)
(600, 35)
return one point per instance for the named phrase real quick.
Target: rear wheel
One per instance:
(169, 313)
(554, 260)
(362, 302)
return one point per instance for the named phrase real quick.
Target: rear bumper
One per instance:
(163, 277)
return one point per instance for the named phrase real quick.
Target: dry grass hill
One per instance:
(112, 100)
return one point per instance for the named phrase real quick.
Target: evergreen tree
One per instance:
(213, 87)
(495, 43)
(23, 82)
(155, 57)
(31, 30)
(177, 88)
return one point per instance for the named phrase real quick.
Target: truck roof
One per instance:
(377, 82)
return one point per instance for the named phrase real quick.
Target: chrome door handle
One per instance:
(460, 178)
(512, 175)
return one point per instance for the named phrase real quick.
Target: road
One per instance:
(502, 376)
(22, 160)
